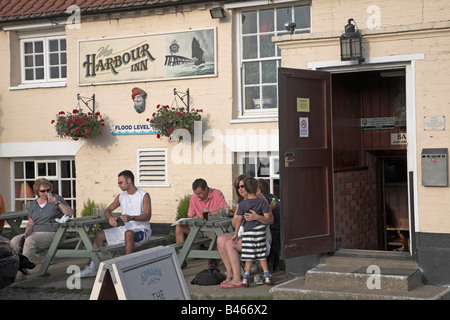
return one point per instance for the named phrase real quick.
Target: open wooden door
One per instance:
(306, 162)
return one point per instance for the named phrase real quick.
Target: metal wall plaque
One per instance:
(385, 123)
(436, 123)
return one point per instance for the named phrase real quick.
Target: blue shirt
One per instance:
(258, 205)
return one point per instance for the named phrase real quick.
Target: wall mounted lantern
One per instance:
(290, 26)
(351, 48)
(217, 13)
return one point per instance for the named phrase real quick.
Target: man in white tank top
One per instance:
(136, 213)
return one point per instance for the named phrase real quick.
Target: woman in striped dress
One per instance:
(254, 231)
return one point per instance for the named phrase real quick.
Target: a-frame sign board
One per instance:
(152, 274)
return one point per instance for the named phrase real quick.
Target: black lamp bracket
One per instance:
(181, 96)
(86, 101)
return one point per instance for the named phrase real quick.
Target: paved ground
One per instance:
(54, 286)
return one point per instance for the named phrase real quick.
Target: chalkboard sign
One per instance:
(152, 274)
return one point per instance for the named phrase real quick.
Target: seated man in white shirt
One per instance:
(136, 213)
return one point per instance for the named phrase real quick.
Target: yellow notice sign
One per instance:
(302, 104)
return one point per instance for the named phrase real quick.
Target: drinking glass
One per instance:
(205, 212)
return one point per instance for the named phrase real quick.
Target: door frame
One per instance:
(408, 63)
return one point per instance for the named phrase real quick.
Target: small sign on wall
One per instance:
(398, 138)
(387, 123)
(436, 123)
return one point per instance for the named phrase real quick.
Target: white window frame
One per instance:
(30, 180)
(272, 156)
(161, 166)
(259, 113)
(46, 52)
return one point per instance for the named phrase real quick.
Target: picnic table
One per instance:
(84, 247)
(215, 224)
(14, 220)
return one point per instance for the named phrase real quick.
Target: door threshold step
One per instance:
(350, 277)
(296, 289)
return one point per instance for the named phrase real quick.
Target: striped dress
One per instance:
(254, 244)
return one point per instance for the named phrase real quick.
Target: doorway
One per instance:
(369, 160)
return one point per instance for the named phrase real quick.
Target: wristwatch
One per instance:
(132, 217)
(59, 202)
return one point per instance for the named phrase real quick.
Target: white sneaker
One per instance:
(88, 272)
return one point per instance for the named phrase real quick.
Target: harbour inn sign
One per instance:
(94, 63)
(146, 57)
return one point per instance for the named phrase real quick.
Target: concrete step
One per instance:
(366, 275)
(372, 277)
(296, 289)
(374, 271)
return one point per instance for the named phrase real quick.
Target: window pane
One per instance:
(269, 97)
(263, 167)
(266, 21)
(302, 17)
(249, 47)
(73, 170)
(29, 74)
(29, 170)
(63, 58)
(18, 170)
(65, 169)
(251, 70)
(270, 72)
(39, 60)
(74, 189)
(65, 186)
(267, 47)
(28, 47)
(42, 169)
(53, 45)
(249, 166)
(38, 46)
(54, 72)
(62, 44)
(63, 72)
(251, 94)
(29, 61)
(39, 73)
(54, 59)
(276, 166)
(249, 22)
(51, 169)
(283, 15)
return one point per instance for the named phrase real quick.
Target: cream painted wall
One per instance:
(100, 160)
(99, 163)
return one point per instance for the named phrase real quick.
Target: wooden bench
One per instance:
(197, 241)
(120, 248)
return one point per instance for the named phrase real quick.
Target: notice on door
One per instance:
(303, 105)
(304, 127)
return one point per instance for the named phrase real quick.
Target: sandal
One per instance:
(231, 286)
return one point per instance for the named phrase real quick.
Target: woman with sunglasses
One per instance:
(44, 209)
(229, 251)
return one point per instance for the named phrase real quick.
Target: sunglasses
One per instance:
(241, 186)
(45, 190)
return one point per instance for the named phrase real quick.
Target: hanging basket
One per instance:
(76, 124)
(168, 119)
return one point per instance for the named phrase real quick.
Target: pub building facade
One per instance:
(353, 141)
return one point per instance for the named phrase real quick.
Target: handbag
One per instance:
(208, 277)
